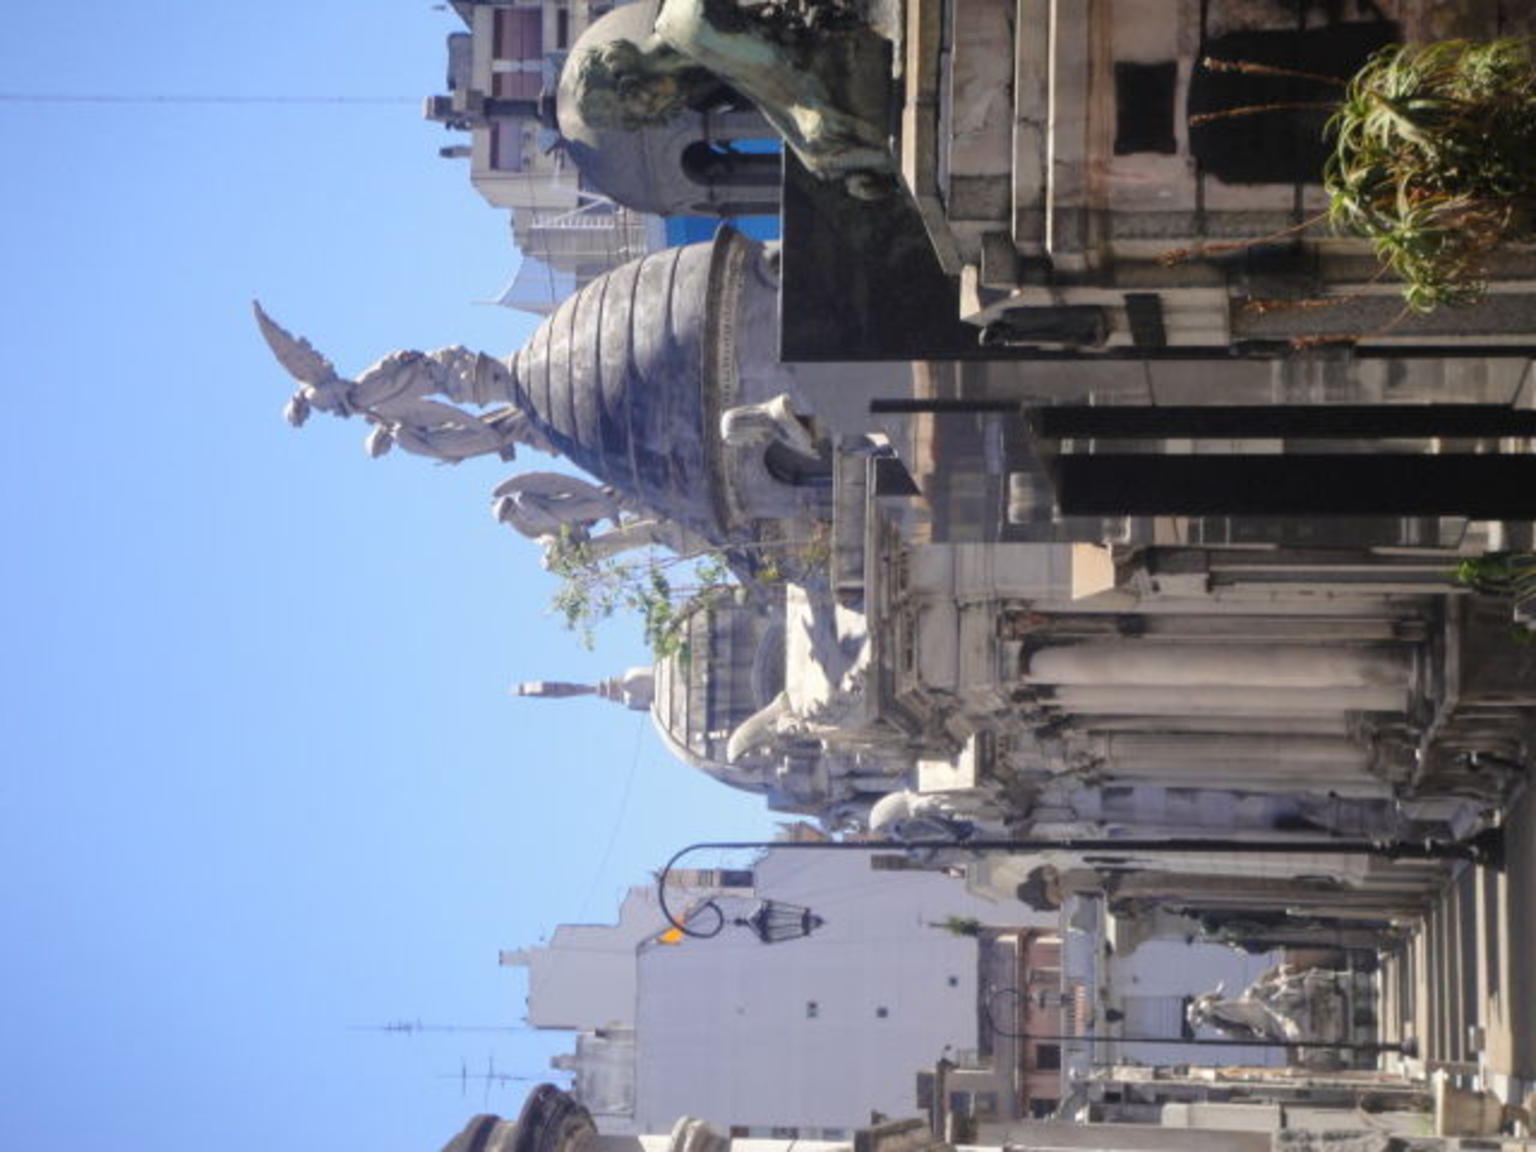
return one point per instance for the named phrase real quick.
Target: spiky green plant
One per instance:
(1434, 162)
(959, 925)
(1510, 574)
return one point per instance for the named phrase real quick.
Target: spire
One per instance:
(634, 689)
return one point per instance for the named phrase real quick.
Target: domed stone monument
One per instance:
(638, 378)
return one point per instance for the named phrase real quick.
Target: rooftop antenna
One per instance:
(488, 1077)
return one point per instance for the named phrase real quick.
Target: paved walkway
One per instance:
(1473, 966)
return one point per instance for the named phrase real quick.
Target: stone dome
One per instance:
(730, 667)
(628, 377)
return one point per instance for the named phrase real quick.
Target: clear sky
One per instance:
(261, 779)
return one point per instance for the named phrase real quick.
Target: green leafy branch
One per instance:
(664, 589)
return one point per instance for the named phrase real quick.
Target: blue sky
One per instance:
(261, 781)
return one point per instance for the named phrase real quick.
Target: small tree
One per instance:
(661, 588)
(664, 589)
(1434, 162)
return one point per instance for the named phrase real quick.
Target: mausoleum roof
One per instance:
(627, 376)
(731, 666)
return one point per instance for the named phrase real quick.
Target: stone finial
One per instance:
(634, 689)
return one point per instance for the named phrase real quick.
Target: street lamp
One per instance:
(775, 920)
(772, 922)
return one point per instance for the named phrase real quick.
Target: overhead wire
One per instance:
(190, 98)
(619, 820)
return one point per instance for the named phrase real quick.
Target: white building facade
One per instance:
(804, 1037)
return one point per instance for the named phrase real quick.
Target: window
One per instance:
(517, 34)
(507, 146)
(562, 29)
(1286, 145)
(1042, 1108)
(954, 981)
(1144, 107)
(725, 166)
(882, 1012)
(523, 84)
(1047, 1057)
(925, 1090)
(812, 1009)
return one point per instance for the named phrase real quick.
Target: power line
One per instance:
(190, 98)
(620, 819)
(411, 1027)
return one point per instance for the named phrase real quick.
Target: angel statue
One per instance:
(395, 396)
(551, 508)
(541, 504)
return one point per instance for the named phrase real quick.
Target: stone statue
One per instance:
(395, 395)
(542, 504)
(915, 818)
(1240, 1017)
(816, 73)
(552, 508)
(1286, 1003)
(771, 420)
(452, 437)
(762, 729)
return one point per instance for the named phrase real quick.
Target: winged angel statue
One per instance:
(395, 395)
(398, 397)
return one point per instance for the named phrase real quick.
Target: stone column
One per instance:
(1253, 700)
(1141, 664)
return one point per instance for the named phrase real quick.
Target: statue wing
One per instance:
(297, 356)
